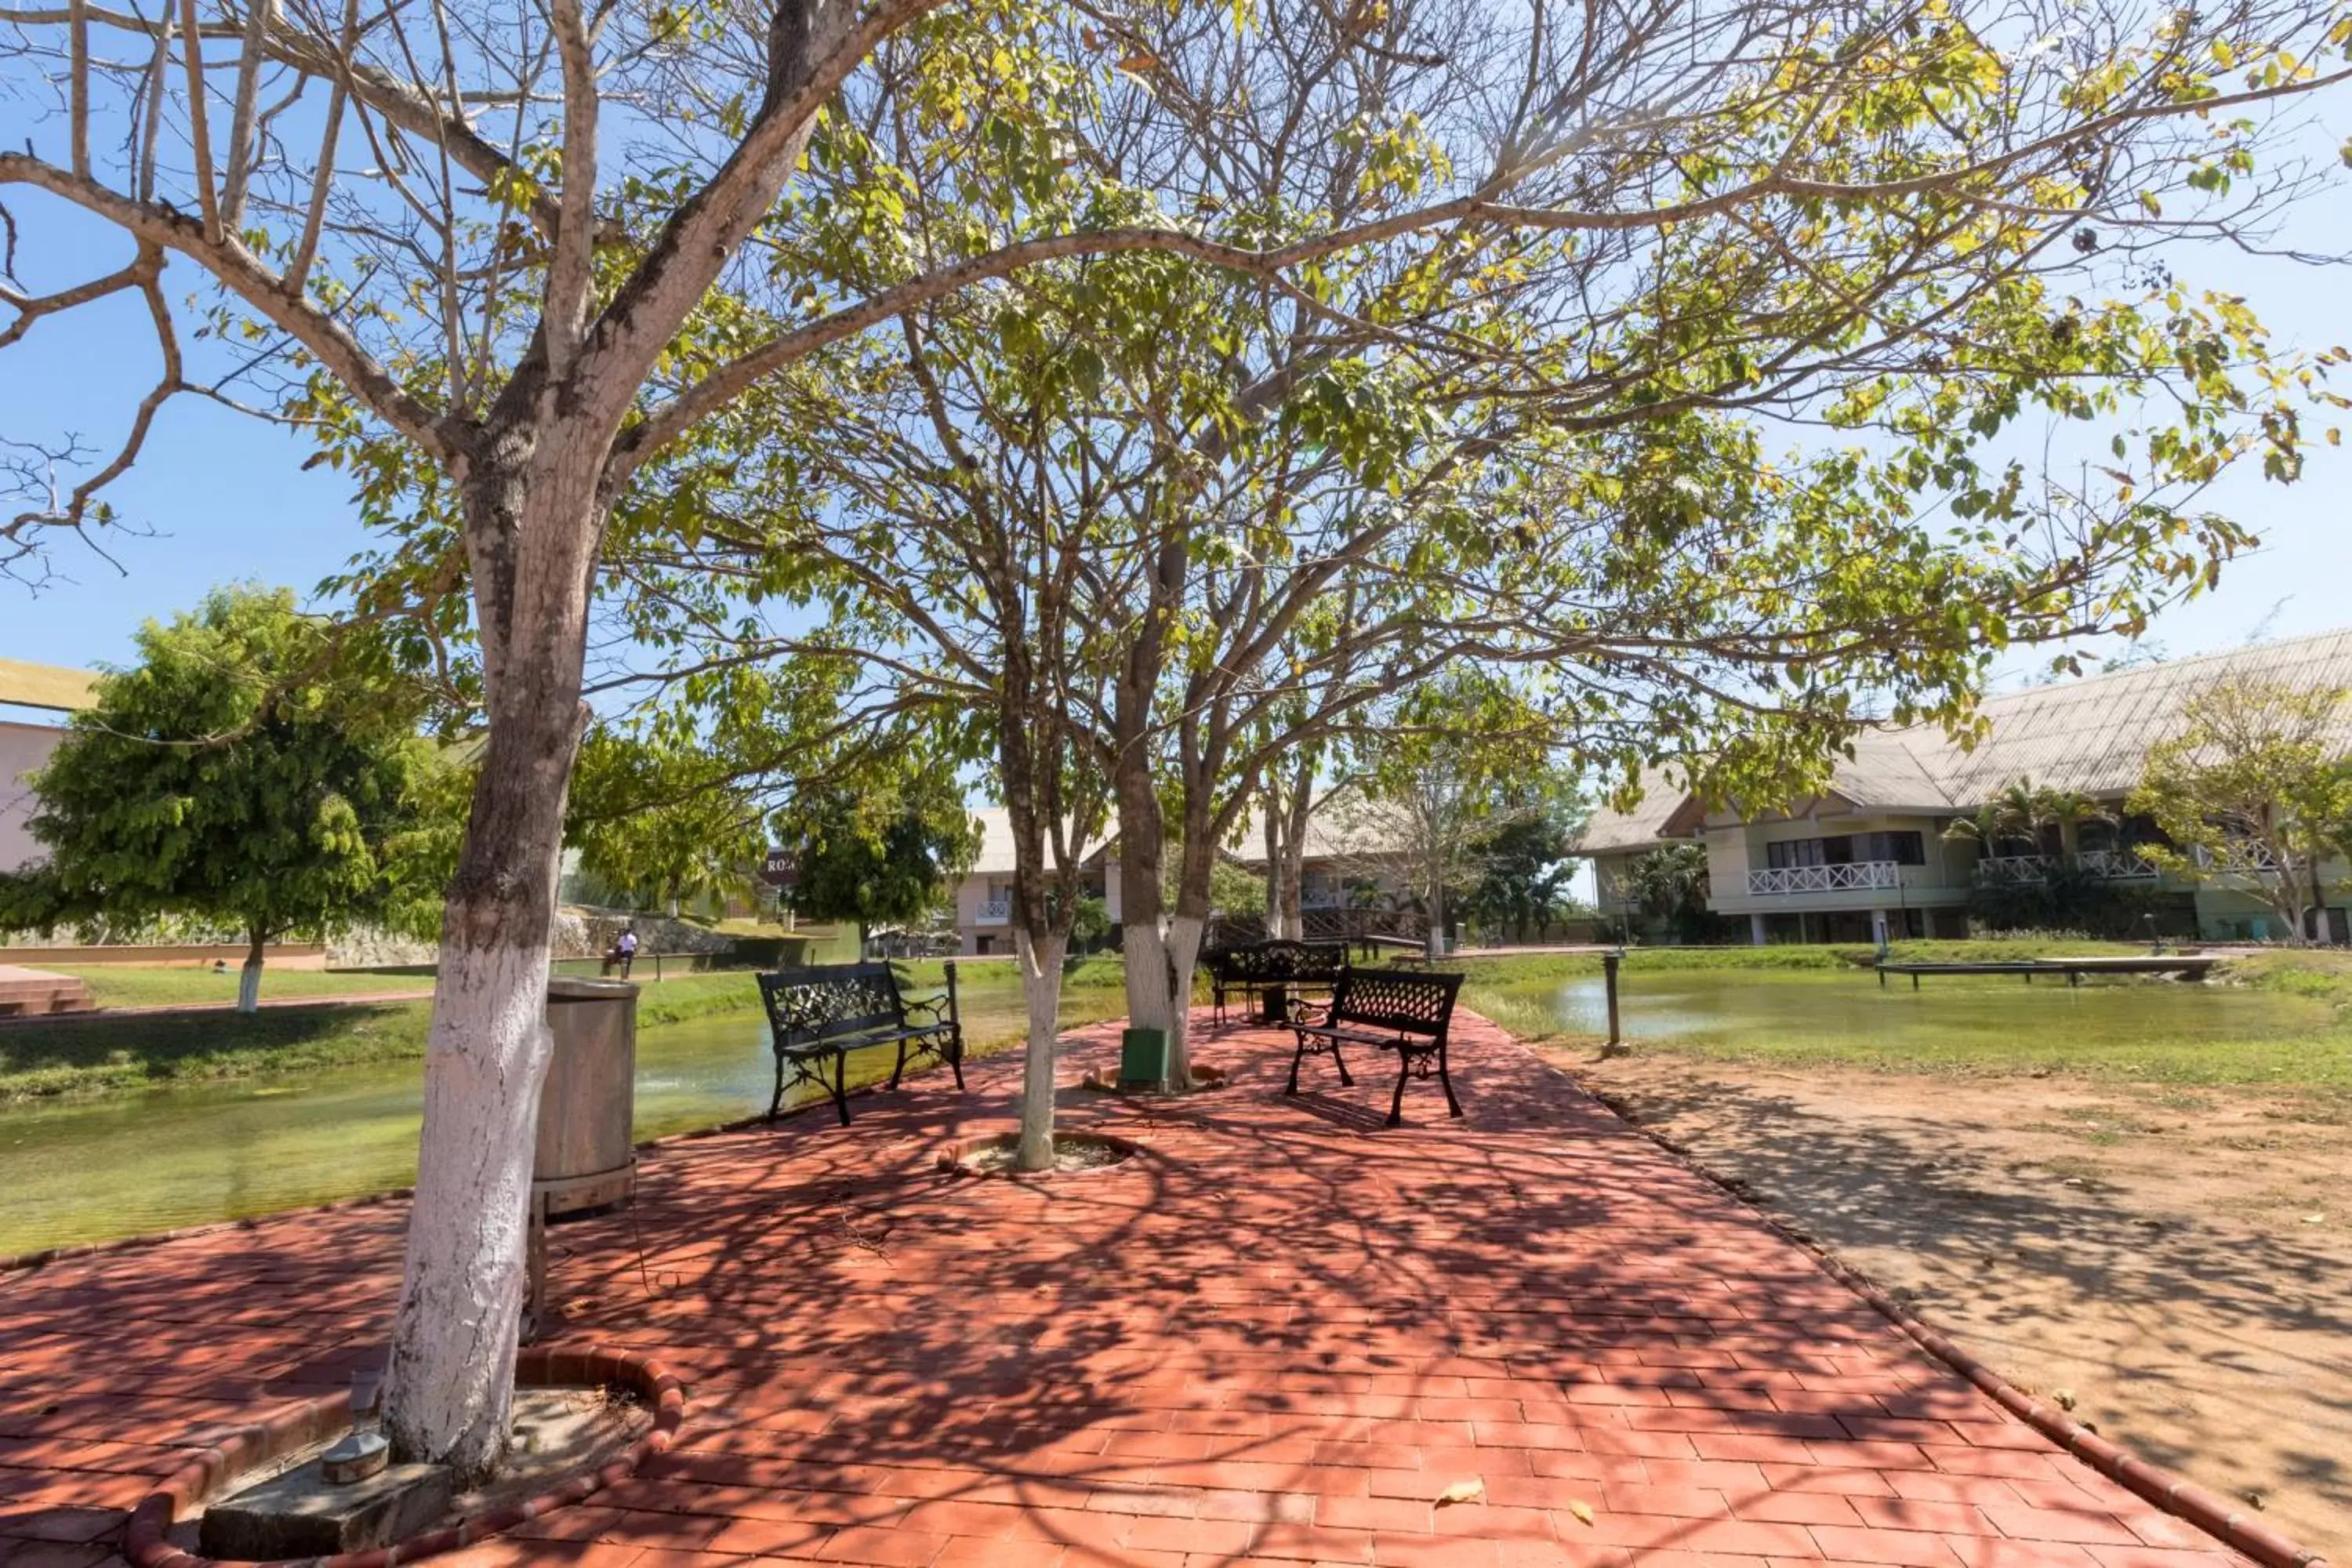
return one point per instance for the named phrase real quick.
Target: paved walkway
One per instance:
(1279, 1338)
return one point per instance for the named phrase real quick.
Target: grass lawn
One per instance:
(43, 1062)
(165, 985)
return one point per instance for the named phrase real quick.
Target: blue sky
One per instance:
(227, 499)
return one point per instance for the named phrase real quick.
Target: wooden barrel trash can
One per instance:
(586, 1162)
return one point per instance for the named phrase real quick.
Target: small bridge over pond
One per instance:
(2188, 966)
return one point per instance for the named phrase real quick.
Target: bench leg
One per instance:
(1396, 1100)
(841, 1085)
(1341, 1063)
(1452, 1105)
(776, 1100)
(901, 1067)
(955, 1057)
(1296, 1057)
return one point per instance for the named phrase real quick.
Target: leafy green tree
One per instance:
(650, 816)
(882, 852)
(1669, 885)
(1525, 871)
(256, 768)
(2253, 786)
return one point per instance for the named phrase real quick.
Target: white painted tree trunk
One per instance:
(248, 980)
(1041, 987)
(531, 529)
(1145, 948)
(1182, 949)
(1434, 947)
(1160, 965)
(453, 1349)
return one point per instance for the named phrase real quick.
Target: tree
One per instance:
(2021, 816)
(255, 768)
(647, 817)
(880, 851)
(2253, 785)
(1525, 870)
(1669, 884)
(503, 311)
(1450, 767)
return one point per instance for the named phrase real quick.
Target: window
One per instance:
(1902, 849)
(1909, 848)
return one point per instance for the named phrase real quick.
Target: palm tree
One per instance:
(2021, 811)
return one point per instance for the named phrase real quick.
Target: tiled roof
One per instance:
(1636, 828)
(2092, 735)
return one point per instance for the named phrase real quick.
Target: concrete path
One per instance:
(1280, 1337)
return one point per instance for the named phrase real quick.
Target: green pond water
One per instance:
(129, 1164)
(2194, 1031)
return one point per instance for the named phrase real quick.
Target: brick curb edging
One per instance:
(2207, 1510)
(144, 1541)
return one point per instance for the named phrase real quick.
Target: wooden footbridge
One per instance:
(2188, 966)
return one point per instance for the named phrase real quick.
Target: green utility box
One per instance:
(1143, 1058)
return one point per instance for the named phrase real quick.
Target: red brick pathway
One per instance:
(1277, 1338)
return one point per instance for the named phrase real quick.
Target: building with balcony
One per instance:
(1333, 873)
(1868, 856)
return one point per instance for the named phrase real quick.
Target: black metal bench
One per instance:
(818, 1015)
(1272, 972)
(1407, 1012)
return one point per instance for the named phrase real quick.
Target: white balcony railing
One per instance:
(2119, 865)
(2116, 865)
(994, 911)
(2239, 856)
(1772, 880)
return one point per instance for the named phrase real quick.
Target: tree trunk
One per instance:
(531, 536)
(1434, 945)
(1040, 957)
(1181, 953)
(1289, 887)
(248, 980)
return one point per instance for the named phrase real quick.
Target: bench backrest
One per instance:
(827, 1001)
(1281, 960)
(1408, 1000)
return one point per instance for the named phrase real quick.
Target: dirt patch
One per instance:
(2175, 1265)
(558, 1433)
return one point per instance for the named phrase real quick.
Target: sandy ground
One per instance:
(2176, 1262)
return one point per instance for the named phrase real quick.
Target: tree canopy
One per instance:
(2253, 786)
(877, 851)
(256, 768)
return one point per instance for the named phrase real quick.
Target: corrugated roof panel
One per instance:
(2092, 735)
(47, 686)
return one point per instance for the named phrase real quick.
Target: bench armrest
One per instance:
(938, 1010)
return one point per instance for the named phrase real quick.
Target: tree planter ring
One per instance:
(145, 1540)
(964, 1157)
